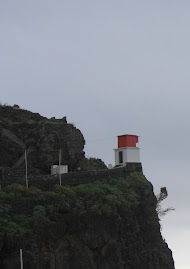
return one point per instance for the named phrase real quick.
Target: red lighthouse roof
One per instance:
(127, 141)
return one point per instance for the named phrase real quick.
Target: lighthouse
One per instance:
(127, 151)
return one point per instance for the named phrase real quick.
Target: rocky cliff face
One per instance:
(41, 137)
(107, 224)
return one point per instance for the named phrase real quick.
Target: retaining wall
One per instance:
(46, 182)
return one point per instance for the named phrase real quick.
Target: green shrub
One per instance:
(34, 211)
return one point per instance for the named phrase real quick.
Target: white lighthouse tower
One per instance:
(127, 151)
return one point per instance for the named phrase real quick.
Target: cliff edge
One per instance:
(97, 219)
(106, 224)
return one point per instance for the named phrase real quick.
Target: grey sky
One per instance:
(112, 67)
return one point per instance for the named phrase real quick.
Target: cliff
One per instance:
(106, 224)
(102, 219)
(41, 137)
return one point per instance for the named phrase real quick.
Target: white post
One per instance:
(59, 166)
(21, 260)
(26, 169)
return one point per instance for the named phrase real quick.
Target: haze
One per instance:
(111, 67)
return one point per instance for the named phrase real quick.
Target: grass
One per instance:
(32, 211)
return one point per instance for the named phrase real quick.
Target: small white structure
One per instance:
(127, 151)
(59, 169)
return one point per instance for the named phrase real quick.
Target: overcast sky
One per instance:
(111, 67)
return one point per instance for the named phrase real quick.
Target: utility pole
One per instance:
(26, 165)
(59, 167)
(21, 259)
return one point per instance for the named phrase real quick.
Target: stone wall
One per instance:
(46, 182)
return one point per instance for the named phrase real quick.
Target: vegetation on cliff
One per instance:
(41, 137)
(32, 211)
(105, 224)
(88, 164)
(110, 222)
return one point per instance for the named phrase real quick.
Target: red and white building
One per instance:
(128, 150)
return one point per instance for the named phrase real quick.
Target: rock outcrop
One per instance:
(89, 164)
(41, 137)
